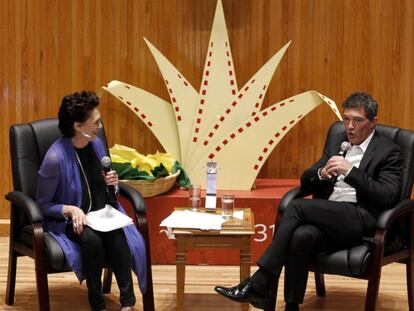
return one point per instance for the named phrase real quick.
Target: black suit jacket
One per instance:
(377, 180)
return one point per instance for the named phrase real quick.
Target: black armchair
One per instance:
(28, 146)
(392, 242)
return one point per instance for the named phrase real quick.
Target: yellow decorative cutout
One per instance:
(219, 122)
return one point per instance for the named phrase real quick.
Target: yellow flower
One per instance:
(123, 154)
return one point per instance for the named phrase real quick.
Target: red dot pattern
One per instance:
(205, 81)
(330, 103)
(235, 103)
(174, 99)
(203, 90)
(271, 142)
(248, 124)
(136, 109)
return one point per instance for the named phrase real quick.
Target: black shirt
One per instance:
(93, 171)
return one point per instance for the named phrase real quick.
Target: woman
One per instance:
(71, 183)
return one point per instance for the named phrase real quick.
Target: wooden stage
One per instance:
(66, 294)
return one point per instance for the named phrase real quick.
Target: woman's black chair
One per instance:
(28, 145)
(392, 242)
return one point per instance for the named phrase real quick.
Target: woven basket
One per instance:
(150, 188)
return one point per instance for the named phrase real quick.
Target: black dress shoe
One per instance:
(244, 292)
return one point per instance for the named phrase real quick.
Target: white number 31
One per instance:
(261, 230)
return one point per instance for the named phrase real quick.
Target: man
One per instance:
(349, 191)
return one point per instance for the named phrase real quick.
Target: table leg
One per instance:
(180, 259)
(245, 261)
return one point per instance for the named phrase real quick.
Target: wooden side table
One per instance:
(235, 233)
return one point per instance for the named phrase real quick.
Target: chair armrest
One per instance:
(134, 197)
(26, 204)
(140, 208)
(387, 217)
(294, 193)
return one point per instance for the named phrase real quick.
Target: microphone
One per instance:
(345, 146)
(90, 136)
(111, 197)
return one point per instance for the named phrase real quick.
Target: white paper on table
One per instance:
(211, 201)
(107, 219)
(238, 214)
(193, 220)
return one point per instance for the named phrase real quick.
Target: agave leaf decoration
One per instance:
(219, 122)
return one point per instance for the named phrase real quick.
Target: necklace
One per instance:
(86, 181)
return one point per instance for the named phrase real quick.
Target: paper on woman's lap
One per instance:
(107, 219)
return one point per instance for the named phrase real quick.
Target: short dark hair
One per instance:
(76, 107)
(364, 100)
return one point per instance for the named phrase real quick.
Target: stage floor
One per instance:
(67, 294)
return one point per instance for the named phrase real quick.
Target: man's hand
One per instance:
(335, 166)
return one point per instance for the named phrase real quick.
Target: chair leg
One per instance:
(40, 267)
(410, 284)
(320, 284)
(107, 281)
(11, 276)
(148, 297)
(271, 305)
(372, 293)
(42, 286)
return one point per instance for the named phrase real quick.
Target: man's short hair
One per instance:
(364, 100)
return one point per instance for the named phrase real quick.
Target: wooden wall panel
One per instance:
(49, 48)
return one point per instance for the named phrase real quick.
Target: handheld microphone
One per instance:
(90, 136)
(345, 146)
(111, 197)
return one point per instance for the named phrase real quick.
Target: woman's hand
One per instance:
(77, 215)
(111, 178)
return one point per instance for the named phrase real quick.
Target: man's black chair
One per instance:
(392, 242)
(28, 145)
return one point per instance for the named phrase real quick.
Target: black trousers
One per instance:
(110, 246)
(309, 227)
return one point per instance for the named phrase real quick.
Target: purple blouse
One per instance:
(59, 183)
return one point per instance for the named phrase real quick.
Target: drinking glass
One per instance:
(195, 197)
(227, 205)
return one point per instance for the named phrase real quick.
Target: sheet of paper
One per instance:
(238, 214)
(107, 219)
(211, 201)
(193, 220)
